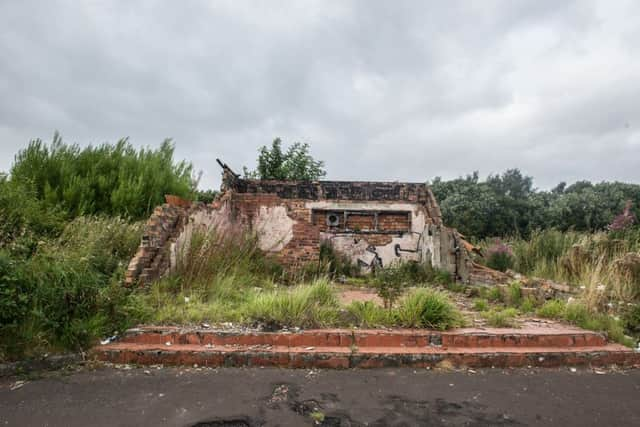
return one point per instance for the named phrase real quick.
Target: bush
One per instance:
(579, 314)
(430, 309)
(24, 218)
(499, 256)
(390, 283)
(632, 319)
(215, 254)
(61, 296)
(107, 179)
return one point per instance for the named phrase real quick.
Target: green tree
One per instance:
(112, 179)
(296, 164)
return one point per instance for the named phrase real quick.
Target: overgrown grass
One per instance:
(232, 281)
(603, 266)
(480, 304)
(581, 315)
(366, 314)
(312, 305)
(428, 308)
(501, 318)
(65, 292)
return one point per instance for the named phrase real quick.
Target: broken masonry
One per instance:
(374, 224)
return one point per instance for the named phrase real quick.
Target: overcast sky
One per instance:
(382, 90)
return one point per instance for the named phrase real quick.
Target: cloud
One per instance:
(402, 90)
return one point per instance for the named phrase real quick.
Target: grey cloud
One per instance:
(382, 90)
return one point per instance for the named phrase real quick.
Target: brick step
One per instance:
(345, 338)
(370, 357)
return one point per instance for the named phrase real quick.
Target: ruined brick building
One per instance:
(374, 223)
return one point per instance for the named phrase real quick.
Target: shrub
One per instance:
(499, 256)
(632, 318)
(107, 179)
(61, 296)
(23, 216)
(390, 283)
(541, 254)
(428, 308)
(576, 313)
(215, 253)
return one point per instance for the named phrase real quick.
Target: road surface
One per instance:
(280, 397)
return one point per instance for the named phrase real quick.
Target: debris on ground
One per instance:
(17, 385)
(108, 340)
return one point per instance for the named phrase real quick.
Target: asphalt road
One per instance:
(272, 397)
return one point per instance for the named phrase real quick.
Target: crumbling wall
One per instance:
(152, 258)
(167, 234)
(374, 223)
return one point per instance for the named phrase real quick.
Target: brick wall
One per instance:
(389, 220)
(152, 258)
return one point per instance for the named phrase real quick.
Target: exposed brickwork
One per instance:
(151, 259)
(376, 224)
(394, 221)
(340, 349)
(347, 338)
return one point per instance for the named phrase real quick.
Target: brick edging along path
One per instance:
(349, 348)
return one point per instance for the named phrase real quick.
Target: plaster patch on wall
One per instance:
(203, 220)
(274, 228)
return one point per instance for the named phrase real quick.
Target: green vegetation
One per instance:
(106, 179)
(66, 236)
(427, 308)
(581, 315)
(295, 164)
(504, 318)
(335, 263)
(368, 315)
(61, 294)
(392, 280)
(509, 205)
(514, 294)
(480, 304)
(499, 256)
(317, 417)
(306, 305)
(68, 227)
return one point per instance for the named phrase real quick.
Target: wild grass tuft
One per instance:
(366, 314)
(428, 308)
(504, 318)
(480, 304)
(579, 314)
(312, 305)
